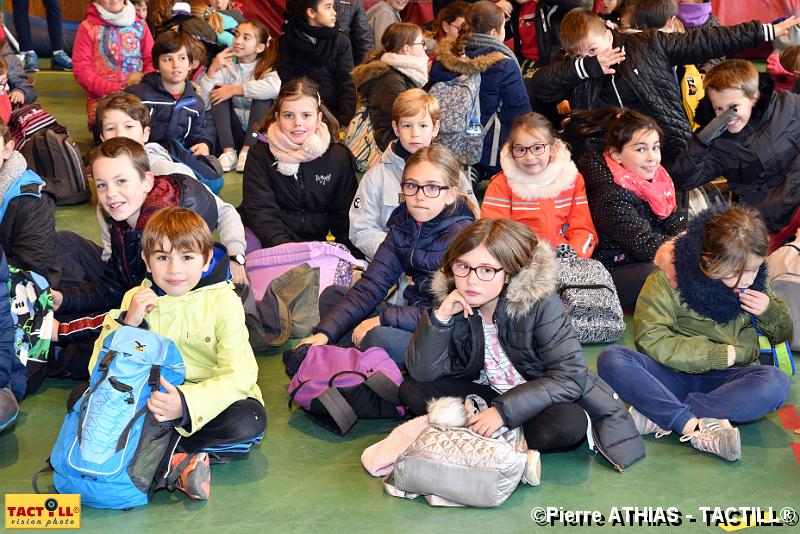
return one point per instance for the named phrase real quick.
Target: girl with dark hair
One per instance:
(699, 341)
(631, 196)
(480, 49)
(312, 46)
(384, 75)
(239, 87)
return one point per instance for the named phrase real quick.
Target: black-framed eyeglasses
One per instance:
(483, 272)
(421, 43)
(537, 149)
(410, 189)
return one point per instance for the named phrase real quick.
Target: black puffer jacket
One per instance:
(761, 163)
(327, 60)
(539, 341)
(28, 222)
(380, 84)
(290, 209)
(125, 268)
(627, 229)
(648, 72)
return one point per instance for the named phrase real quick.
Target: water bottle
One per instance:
(474, 127)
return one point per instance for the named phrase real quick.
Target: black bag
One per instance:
(56, 159)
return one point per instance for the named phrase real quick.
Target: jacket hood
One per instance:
(704, 113)
(462, 64)
(369, 71)
(559, 175)
(710, 298)
(528, 287)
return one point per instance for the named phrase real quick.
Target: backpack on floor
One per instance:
(32, 315)
(460, 127)
(334, 261)
(57, 160)
(28, 120)
(359, 137)
(590, 300)
(336, 385)
(450, 465)
(783, 268)
(110, 445)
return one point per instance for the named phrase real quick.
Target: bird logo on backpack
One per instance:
(110, 445)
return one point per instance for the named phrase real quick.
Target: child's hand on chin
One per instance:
(753, 301)
(452, 304)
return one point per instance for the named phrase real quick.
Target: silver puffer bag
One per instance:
(452, 466)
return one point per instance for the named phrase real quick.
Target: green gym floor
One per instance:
(304, 479)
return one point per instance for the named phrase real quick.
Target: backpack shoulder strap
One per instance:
(35, 480)
(338, 408)
(384, 388)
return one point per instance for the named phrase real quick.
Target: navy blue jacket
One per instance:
(182, 119)
(501, 87)
(12, 373)
(411, 248)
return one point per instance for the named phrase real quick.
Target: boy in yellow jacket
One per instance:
(188, 298)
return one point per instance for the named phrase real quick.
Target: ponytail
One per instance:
(482, 17)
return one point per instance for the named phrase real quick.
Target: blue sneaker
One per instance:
(60, 61)
(31, 61)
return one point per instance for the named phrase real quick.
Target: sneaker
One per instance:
(533, 468)
(645, 426)
(60, 61)
(195, 477)
(31, 61)
(228, 161)
(242, 160)
(716, 436)
(8, 408)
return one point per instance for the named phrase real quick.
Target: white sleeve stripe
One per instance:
(581, 70)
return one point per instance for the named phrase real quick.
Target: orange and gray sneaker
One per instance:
(192, 474)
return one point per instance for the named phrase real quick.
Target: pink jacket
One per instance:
(104, 56)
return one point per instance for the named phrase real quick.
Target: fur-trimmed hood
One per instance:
(559, 175)
(462, 64)
(412, 67)
(527, 288)
(710, 298)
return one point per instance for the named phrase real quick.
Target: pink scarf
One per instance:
(659, 193)
(290, 155)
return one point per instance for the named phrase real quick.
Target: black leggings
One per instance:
(229, 128)
(560, 426)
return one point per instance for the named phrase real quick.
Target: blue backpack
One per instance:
(110, 445)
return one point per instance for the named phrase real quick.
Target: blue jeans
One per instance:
(671, 398)
(393, 340)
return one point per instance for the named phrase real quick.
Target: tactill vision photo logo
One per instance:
(45, 511)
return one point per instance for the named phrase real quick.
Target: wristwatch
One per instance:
(238, 258)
